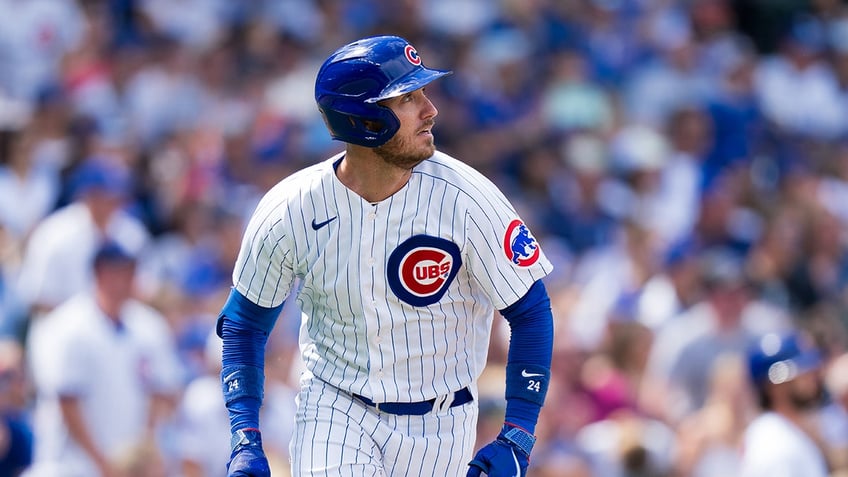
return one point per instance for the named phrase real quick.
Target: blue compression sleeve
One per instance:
(244, 327)
(529, 358)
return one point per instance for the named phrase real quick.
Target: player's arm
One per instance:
(244, 328)
(71, 411)
(527, 374)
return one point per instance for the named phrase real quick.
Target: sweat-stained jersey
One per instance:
(398, 296)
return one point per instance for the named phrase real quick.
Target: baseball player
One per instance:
(403, 254)
(782, 441)
(106, 369)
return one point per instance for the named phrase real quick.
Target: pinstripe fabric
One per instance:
(398, 296)
(338, 436)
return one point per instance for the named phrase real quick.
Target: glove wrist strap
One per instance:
(248, 437)
(519, 438)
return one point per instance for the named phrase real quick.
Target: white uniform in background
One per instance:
(775, 447)
(57, 260)
(112, 370)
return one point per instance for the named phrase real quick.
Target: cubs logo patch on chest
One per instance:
(421, 269)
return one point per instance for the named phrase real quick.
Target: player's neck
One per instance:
(109, 306)
(369, 176)
(790, 412)
(805, 421)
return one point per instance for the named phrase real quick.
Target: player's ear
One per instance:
(373, 126)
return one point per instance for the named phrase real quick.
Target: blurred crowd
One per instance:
(684, 164)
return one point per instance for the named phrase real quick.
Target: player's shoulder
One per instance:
(145, 319)
(769, 431)
(65, 218)
(303, 180)
(73, 318)
(447, 168)
(443, 164)
(79, 305)
(295, 186)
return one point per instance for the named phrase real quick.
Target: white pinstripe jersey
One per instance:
(398, 296)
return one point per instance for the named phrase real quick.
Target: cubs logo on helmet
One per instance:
(412, 55)
(421, 269)
(519, 245)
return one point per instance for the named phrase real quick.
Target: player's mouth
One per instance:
(427, 131)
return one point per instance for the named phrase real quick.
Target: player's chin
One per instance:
(430, 148)
(428, 144)
(418, 157)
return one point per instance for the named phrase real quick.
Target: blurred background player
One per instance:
(105, 379)
(15, 429)
(785, 438)
(834, 416)
(57, 259)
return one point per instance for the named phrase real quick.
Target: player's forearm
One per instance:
(529, 356)
(244, 328)
(160, 408)
(78, 430)
(190, 468)
(242, 374)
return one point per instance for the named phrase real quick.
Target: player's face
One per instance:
(414, 140)
(806, 392)
(116, 279)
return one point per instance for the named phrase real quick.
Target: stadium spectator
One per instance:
(106, 375)
(15, 426)
(57, 259)
(783, 438)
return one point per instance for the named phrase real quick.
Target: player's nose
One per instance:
(429, 110)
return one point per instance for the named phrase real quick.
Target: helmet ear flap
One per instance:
(365, 128)
(372, 125)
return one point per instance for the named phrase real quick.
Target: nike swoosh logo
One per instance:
(316, 226)
(517, 466)
(525, 374)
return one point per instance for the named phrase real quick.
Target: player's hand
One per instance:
(502, 458)
(498, 459)
(248, 459)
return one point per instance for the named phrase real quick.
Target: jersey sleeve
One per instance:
(503, 255)
(165, 372)
(36, 285)
(71, 361)
(263, 272)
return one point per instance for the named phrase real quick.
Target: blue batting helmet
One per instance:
(778, 359)
(357, 76)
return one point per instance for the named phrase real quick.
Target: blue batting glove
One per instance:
(247, 458)
(507, 456)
